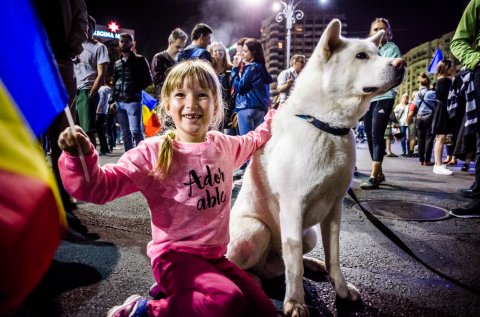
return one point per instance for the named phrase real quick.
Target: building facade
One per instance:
(305, 34)
(419, 58)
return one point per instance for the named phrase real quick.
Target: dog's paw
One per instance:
(353, 293)
(314, 265)
(294, 309)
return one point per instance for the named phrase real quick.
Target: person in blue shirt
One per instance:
(252, 88)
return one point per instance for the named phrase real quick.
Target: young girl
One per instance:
(186, 177)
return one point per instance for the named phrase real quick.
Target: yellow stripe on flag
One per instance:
(32, 218)
(19, 152)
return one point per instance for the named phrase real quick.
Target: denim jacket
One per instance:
(252, 88)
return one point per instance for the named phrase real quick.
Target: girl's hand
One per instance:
(67, 143)
(236, 60)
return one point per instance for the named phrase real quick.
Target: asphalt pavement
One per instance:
(95, 271)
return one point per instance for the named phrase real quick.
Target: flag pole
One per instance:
(74, 130)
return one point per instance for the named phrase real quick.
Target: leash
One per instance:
(395, 239)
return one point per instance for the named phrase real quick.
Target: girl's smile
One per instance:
(192, 109)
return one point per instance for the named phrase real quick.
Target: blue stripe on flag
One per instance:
(432, 69)
(148, 100)
(28, 69)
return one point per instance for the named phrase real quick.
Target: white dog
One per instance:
(298, 180)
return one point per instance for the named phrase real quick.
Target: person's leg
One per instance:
(380, 119)
(101, 127)
(122, 118)
(258, 117)
(257, 302)
(421, 138)
(367, 122)
(429, 145)
(247, 119)
(404, 140)
(388, 146)
(412, 138)
(193, 286)
(438, 149)
(134, 110)
(86, 110)
(111, 131)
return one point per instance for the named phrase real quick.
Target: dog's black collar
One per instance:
(324, 126)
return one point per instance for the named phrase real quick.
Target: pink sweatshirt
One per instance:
(190, 209)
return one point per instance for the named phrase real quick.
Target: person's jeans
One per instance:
(129, 116)
(249, 120)
(404, 140)
(425, 139)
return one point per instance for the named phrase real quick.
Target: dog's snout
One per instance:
(399, 63)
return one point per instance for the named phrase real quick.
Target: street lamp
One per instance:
(290, 14)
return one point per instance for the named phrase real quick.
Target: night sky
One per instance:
(413, 22)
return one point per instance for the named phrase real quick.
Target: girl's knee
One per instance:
(224, 303)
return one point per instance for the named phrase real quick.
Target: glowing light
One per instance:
(255, 2)
(113, 26)
(276, 6)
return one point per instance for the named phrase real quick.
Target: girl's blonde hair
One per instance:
(185, 73)
(226, 57)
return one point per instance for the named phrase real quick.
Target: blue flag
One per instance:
(432, 69)
(28, 69)
(148, 100)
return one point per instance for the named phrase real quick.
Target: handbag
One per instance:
(425, 116)
(398, 134)
(234, 121)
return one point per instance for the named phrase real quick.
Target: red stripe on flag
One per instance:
(29, 234)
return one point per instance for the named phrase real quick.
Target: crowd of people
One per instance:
(208, 102)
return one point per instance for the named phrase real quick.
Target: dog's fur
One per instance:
(298, 180)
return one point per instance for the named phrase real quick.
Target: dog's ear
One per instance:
(377, 37)
(330, 39)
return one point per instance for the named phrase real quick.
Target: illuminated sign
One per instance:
(101, 33)
(106, 31)
(113, 26)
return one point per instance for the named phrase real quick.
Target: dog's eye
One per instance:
(361, 55)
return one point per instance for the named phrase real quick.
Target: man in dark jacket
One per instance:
(201, 38)
(131, 74)
(163, 61)
(65, 22)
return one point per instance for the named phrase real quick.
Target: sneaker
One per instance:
(441, 170)
(465, 167)
(466, 212)
(135, 305)
(238, 173)
(371, 183)
(428, 163)
(238, 183)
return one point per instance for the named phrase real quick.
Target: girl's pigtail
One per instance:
(165, 155)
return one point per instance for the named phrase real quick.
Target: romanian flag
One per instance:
(151, 123)
(32, 218)
(432, 69)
